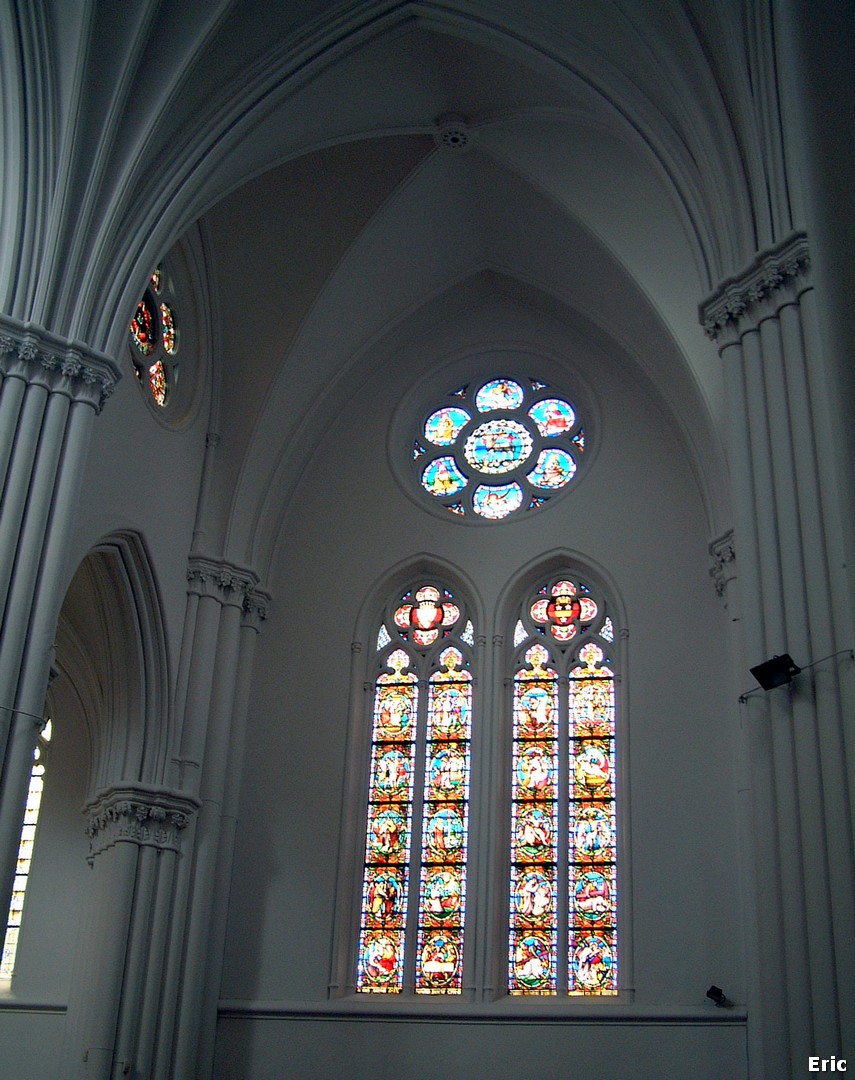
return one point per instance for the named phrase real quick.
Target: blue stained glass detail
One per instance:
(554, 469)
(443, 426)
(499, 394)
(497, 446)
(497, 502)
(553, 416)
(442, 477)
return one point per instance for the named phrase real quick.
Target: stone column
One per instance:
(135, 840)
(229, 612)
(50, 391)
(791, 579)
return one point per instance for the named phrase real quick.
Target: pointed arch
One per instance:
(565, 659)
(111, 647)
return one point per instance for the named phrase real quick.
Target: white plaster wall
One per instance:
(638, 514)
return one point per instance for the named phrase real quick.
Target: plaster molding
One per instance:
(743, 296)
(225, 582)
(723, 570)
(137, 814)
(30, 353)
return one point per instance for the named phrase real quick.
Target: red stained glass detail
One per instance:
(143, 329)
(157, 381)
(168, 328)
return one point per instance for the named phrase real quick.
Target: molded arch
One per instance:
(111, 647)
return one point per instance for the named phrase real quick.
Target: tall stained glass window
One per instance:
(25, 855)
(563, 879)
(412, 918)
(154, 339)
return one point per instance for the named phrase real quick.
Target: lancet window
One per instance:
(413, 906)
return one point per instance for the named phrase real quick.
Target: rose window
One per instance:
(496, 448)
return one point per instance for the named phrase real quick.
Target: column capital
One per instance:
(255, 605)
(30, 353)
(138, 814)
(723, 569)
(226, 582)
(745, 298)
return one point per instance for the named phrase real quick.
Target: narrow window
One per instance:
(414, 878)
(563, 880)
(25, 855)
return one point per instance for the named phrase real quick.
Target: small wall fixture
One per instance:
(775, 672)
(716, 994)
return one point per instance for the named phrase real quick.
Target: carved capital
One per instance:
(746, 297)
(255, 605)
(225, 582)
(36, 356)
(137, 814)
(723, 569)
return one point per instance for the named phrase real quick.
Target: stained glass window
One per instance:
(413, 901)
(496, 448)
(25, 855)
(563, 879)
(154, 340)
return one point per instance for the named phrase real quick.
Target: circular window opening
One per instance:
(154, 341)
(497, 448)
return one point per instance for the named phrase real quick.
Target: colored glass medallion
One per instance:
(499, 394)
(158, 383)
(443, 426)
(497, 446)
(497, 502)
(442, 477)
(156, 279)
(143, 331)
(554, 469)
(553, 417)
(168, 325)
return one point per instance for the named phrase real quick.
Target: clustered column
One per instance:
(791, 577)
(116, 1012)
(50, 391)
(225, 612)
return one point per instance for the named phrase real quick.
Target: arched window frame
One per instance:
(486, 973)
(423, 651)
(516, 644)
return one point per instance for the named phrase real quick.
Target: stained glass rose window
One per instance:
(492, 449)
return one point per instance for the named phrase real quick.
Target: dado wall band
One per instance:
(777, 388)
(50, 392)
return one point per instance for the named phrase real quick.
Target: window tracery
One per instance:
(154, 340)
(414, 873)
(494, 448)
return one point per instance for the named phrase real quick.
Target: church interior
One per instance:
(416, 420)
